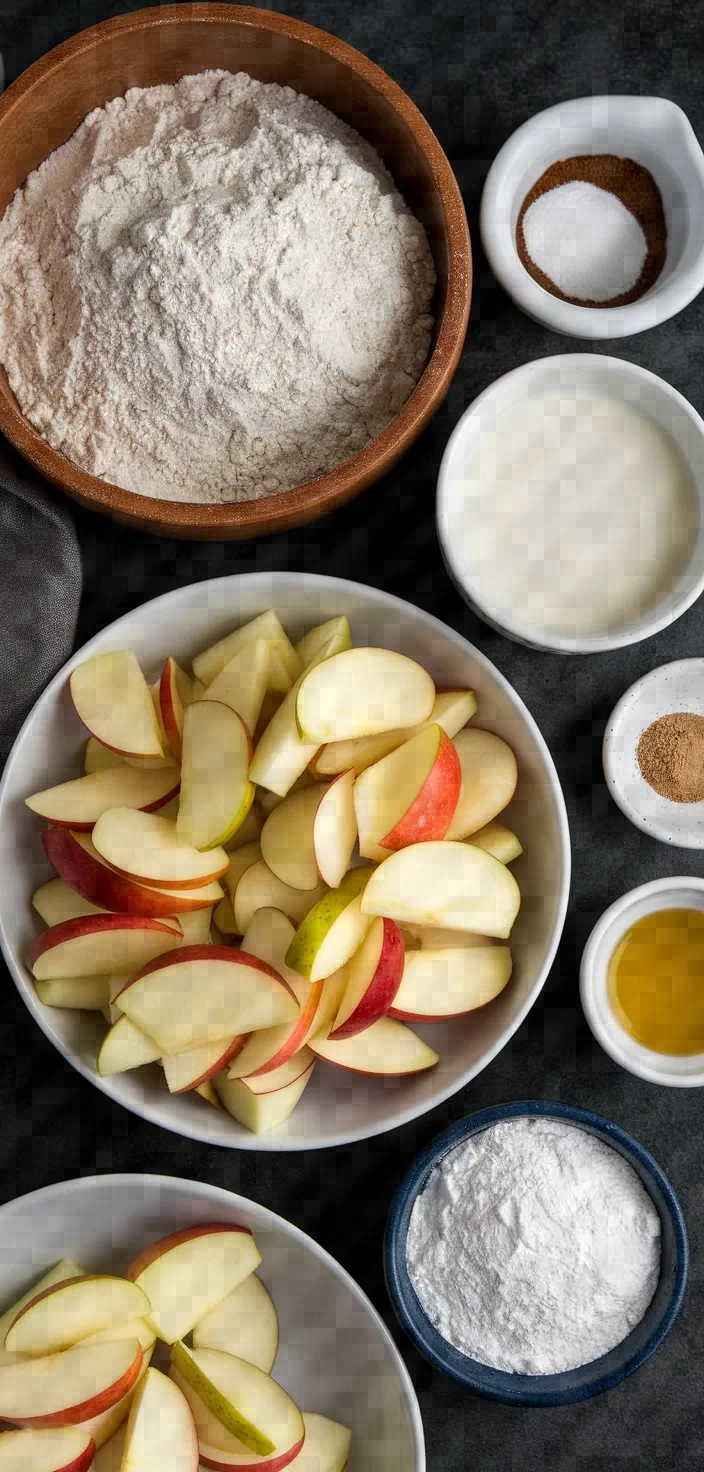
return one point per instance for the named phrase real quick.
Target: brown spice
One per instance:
(636, 189)
(671, 757)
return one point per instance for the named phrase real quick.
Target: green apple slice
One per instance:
(242, 1398)
(333, 930)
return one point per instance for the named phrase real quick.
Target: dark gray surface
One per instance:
(477, 72)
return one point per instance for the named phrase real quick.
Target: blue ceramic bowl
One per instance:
(571, 1385)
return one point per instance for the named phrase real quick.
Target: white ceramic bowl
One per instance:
(337, 1107)
(335, 1355)
(651, 130)
(457, 505)
(670, 688)
(657, 1068)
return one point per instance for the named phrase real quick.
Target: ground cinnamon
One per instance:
(635, 186)
(671, 757)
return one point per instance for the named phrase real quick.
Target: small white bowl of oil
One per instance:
(642, 982)
(671, 689)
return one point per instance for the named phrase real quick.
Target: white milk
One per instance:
(579, 515)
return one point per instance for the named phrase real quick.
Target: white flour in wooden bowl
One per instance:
(212, 292)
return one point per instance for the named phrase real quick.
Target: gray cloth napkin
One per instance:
(40, 589)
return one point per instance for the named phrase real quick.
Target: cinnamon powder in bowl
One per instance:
(671, 756)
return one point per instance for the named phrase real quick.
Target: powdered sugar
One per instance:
(534, 1247)
(212, 292)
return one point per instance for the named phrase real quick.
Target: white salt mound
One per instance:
(585, 240)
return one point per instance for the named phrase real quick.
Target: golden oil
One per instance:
(656, 981)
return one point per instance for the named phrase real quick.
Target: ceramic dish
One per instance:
(337, 1107)
(44, 107)
(658, 1068)
(672, 688)
(589, 373)
(335, 1355)
(572, 1385)
(658, 135)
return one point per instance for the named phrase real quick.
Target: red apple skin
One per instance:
(47, 1292)
(383, 985)
(430, 814)
(93, 880)
(93, 1407)
(298, 1033)
(231, 1052)
(168, 884)
(175, 1239)
(274, 1463)
(203, 953)
(91, 925)
(171, 707)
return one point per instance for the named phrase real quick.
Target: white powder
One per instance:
(585, 240)
(212, 292)
(534, 1247)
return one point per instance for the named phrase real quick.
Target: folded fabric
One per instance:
(40, 589)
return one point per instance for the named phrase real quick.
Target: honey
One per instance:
(656, 981)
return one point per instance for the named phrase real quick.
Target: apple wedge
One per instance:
(220, 1449)
(224, 918)
(267, 626)
(112, 698)
(374, 977)
(436, 937)
(452, 710)
(78, 993)
(77, 860)
(175, 693)
(287, 839)
(258, 889)
(96, 757)
(335, 829)
(62, 1315)
(409, 796)
(161, 1431)
(335, 633)
(109, 1456)
(264, 1101)
(332, 930)
(66, 1449)
(210, 993)
(207, 1092)
(149, 848)
(268, 937)
(326, 1447)
(499, 841)
(387, 1048)
(243, 682)
(448, 884)
(125, 1046)
(187, 1273)
(248, 831)
(78, 804)
(66, 1388)
(360, 692)
(96, 945)
(188, 1070)
(195, 924)
(268, 1049)
(244, 1324)
(438, 985)
(489, 777)
(216, 793)
(133, 1329)
(281, 756)
(104, 1426)
(239, 862)
(61, 1271)
(248, 1404)
(57, 901)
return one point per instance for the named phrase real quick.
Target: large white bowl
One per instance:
(338, 1107)
(335, 1354)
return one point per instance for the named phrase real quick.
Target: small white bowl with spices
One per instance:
(626, 229)
(653, 753)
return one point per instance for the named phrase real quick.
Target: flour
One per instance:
(212, 292)
(534, 1247)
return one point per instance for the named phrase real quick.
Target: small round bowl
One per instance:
(567, 373)
(658, 1068)
(651, 130)
(335, 1354)
(44, 107)
(572, 1385)
(670, 689)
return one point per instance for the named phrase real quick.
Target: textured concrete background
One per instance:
(477, 70)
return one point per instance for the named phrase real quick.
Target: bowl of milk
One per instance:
(571, 504)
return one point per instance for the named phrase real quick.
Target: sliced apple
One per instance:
(409, 796)
(332, 931)
(78, 862)
(287, 839)
(248, 1404)
(224, 918)
(239, 862)
(335, 829)
(442, 984)
(212, 993)
(79, 804)
(268, 937)
(149, 848)
(104, 1426)
(187, 1273)
(188, 1070)
(362, 691)
(125, 1046)
(216, 793)
(374, 977)
(489, 777)
(281, 756)
(112, 699)
(161, 1431)
(96, 945)
(78, 993)
(262, 1102)
(334, 633)
(243, 682)
(57, 901)
(175, 693)
(207, 1092)
(326, 1447)
(448, 884)
(266, 626)
(452, 710)
(66, 1388)
(195, 924)
(96, 757)
(499, 841)
(62, 1270)
(109, 1456)
(248, 831)
(66, 1449)
(133, 1329)
(67, 1312)
(244, 1324)
(258, 889)
(387, 1048)
(436, 937)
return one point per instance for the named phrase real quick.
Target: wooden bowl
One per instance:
(44, 107)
